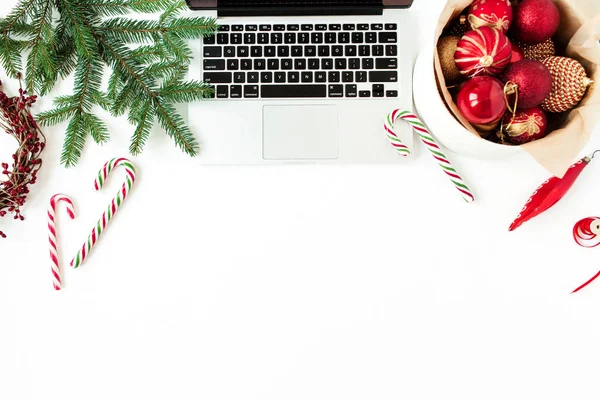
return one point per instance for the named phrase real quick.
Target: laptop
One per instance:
(302, 81)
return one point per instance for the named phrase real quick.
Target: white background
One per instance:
(300, 282)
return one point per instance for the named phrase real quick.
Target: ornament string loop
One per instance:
(594, 154)
(509, 89)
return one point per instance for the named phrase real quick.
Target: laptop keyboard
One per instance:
(302, 61)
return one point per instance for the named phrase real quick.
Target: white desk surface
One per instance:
(301, 282)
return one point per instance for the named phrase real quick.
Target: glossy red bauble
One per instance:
(496, 14)
(527, 125)
(483, 51)
(535, 21)
(481, 101)
(533, 80)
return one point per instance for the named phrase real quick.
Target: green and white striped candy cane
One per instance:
(431, 145)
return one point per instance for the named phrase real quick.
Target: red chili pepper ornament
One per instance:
(550, 192)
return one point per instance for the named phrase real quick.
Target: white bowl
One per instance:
(442, 124)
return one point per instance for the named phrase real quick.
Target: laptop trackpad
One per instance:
(300, 132)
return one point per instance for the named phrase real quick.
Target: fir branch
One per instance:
(10, 55)
(39, 60)
(84, 40)
(75, 136)
(172, 122)
(191, 27)
(145, 121)
(109, 8)
(57, 115)
(96, 128)
(186, 92)
(172, 11)
(131, 31)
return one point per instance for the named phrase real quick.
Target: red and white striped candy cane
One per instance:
(57, 198)
(113, 207)
(587, 234)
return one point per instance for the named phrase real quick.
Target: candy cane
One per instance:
(112, 208)
(57, 198)
(431, 145)
(587, 234)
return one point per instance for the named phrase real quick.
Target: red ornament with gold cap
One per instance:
(496, 14)
(482, 101)
(483, 51)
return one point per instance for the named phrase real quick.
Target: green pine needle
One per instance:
(146, 59)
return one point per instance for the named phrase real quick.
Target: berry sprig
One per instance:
(17, 121)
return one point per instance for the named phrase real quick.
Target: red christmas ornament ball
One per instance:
(496, 14)
(535, 21)
(481, 101)
(483, 51)
(533, 81)
(527, 125)
(516, 54)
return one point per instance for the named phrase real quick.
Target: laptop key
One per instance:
(279, 27)
(347, 76)
(276, 38)
(218, 77)
(316, 37)
(330, 37)
(344, 37)
(300, 63)
(249, 38)
(236, 91)
(320, 77)
(303, 38)
(229, 51)
(321, 27)
(337, 51)
(242, 51)
(236, 38)
(377, 27)
(252, 28)
(334, 76)
(386, 63)
(363, 27)
(222, 91)
(388, 37)
(287, 63)
(327, 63)
(212, 64)
(391, 93)
(293, 27)
(364, 93)
(371, 37)
(279, 77)
(289, 38)
(307, 77)
(351, 91)
(224, 28)
(313, 63)
(351, 50)
(256, 51)
(296, 51)
(354, 63)
(383, 76)
(307, 27)
(210, 39)
(253, 77)
(378, 87)
(323, 51)
(361, 76)
(358, 37)
(283, 51)
(391, 50)
(222, 38)
(295, 91)
(341, 63)
(262, 38)
(293, 77)
(237, 28)
(264, 28)
(378, 50)
(273, 64)
(266, 77)
(349, 27)
(259, 64)
(239, 77)
(246, 64)
(233, 65)
(336, 90)
(378, 94)
(391, 27)
(310, 51)
(270, 51)
(367, 63)
(364, 50)
(212, 51)
(335, 27)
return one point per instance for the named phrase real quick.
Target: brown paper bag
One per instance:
(577, 37)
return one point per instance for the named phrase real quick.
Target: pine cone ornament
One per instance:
(483, 51)
(539, 51)
(569, 84)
